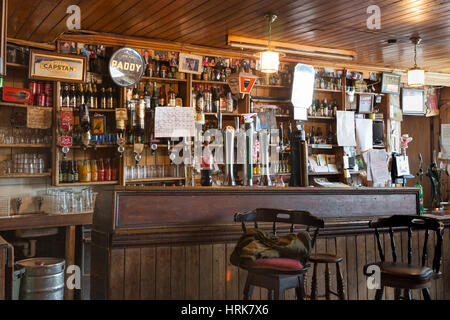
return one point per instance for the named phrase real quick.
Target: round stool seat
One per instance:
(324, 258)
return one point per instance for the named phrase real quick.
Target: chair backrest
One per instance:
(411, 222)
(291, 217)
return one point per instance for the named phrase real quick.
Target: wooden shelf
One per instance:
(210, 82)
(224, 114)
(324, 173)
(25, 145)
(283, 116)
(93, 146)
(270, 86)
(96, 110)
(16, 65)
(371, 93)
(271, 100)
(21, 105)
(155, 179)
(321, 118)
(162, 79)
(92, 183)
(327, 90)
(323, 146)
(26, 175)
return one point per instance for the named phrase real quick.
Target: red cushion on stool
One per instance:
(277, 263)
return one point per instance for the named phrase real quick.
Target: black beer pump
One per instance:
(299, 157)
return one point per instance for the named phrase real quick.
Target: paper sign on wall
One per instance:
(39, 118)
(174, 122)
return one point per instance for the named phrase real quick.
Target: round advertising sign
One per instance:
(126, 67)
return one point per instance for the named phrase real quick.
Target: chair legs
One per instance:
(300, 290)
(248, 289)
(340, 282)
(314, 283)
(379, 294)
(426, 294)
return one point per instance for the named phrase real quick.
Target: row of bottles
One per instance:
(73, 96)
(154, 99)
(323, 109)
(72, 171)
(210, 99)
(315, 136)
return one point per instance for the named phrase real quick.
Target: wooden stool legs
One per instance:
(328, 292)
(248, 289)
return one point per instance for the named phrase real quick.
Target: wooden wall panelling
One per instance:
(206, 271)
(219, 272)
(178, 273)
(232, 276)
(242, 278)
(163, 267)
(360, 263)
(193, 274)
(132, 273)
(352, 272)
(446, 262)
(148, 273)
(116, 274)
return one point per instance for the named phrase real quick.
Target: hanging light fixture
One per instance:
(416, 76)
(270, 59)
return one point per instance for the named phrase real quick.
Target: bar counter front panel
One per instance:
(175, 243)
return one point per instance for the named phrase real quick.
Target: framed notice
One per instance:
(98, 124)
(413, 101)
(365, 103)
(390, 83)
(432, 103)
(395, 112)
(39, 118)
(190, 63)
(57, 67)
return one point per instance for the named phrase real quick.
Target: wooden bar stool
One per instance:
(327, 259)
(277, 274)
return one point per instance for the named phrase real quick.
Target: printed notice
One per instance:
(39, 118)
(364, 134)
(174, 122)
(346, 128)
(445, 141)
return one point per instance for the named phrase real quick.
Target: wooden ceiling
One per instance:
(335, 24)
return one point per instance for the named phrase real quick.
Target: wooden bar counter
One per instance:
(175, 243)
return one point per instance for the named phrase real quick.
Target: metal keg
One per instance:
(43, 279)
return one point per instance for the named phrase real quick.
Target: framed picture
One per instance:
(432, 103)
(390, 83)
(413, 101)
(57, 67)
(98, 124)
(365, 103)
(190, 63)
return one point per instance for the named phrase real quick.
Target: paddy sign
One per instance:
(126, 67)
(57, 67)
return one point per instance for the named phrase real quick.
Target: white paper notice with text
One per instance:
(445, 141)
(364, 134)
(174, 122)
(346, 128)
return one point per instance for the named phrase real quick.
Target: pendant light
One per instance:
(269, 58)
(416, 76)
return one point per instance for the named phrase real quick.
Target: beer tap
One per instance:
(264, 140)
(229, 156)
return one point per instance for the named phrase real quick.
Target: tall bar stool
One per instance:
(402, 276)
(277, 274)
(327, 259)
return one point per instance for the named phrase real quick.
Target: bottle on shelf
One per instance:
(154, 101)
(80, 95)
(208, 98)
(171, 97)
(100, 170)
(107, 168)
(94, 171)
(103, 100)
(229, 102)
(94, 99)
(147, 97)
(223, 100)
(162, 97)
(65, 96)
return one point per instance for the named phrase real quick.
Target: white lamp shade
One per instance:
(269, 61)
(416, 78)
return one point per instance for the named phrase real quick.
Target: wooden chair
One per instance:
(408, 276)
(281, 273)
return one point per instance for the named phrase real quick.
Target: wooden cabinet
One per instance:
(6, 275)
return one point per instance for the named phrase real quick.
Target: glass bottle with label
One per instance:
(94, 171)
(154, 101)
(162, 97)
(171, 97)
